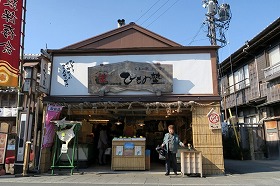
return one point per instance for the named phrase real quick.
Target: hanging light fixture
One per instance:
(141, 123)
(118, 122)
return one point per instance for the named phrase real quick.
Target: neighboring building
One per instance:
(8, 115)
(250, 88)
(22, 103)
(138, 77)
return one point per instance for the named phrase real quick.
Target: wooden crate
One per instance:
(191, 162)
(130, 159)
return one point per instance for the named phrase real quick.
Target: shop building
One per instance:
(136, 83)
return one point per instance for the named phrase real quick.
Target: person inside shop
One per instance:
(171, 143)
(102, 145)
(96, 133)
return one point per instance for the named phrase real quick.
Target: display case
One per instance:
(128, 154)
(191, 162)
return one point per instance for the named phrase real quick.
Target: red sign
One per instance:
(214, 120)
(10, 34)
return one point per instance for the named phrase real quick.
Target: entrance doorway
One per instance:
(134, 122)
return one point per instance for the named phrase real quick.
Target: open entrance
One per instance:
(137, 121)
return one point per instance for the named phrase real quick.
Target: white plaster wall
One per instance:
(192, 73)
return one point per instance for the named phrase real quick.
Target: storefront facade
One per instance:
(144, 81)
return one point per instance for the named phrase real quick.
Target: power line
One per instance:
(193, 39)
(147, 11)
(155, 12)
(163, 12)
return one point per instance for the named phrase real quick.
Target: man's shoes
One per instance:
(176, 173)
(166, 174)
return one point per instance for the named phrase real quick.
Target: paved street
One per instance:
(265, 172)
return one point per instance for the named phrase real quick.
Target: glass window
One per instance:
(231, 83)
(246, 75)
(241, 78)
(274, 56)
(236, 80)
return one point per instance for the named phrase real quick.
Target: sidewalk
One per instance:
(265, 172)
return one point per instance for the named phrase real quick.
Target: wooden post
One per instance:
(26, 158)
(251, 143)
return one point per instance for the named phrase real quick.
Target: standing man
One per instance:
(171, 142)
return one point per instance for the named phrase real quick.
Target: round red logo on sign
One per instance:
(214, 118)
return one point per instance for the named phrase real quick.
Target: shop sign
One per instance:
(10, 33)
(8, 112)
(129, 75)
(45, 76)
(214, 119)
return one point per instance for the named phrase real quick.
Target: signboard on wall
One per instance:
(8, 112)
(45, 76)
(214, 119)
(129, 75)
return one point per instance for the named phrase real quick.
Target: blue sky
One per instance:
(57, 23)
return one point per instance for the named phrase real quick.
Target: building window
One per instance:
(241, 78)
(246, 75)
(274, 56)
(231, 84)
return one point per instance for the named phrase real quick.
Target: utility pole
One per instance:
(217, 19)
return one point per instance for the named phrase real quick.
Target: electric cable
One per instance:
(155, 11)
(147, 11)
(163, 13)
(193, 39)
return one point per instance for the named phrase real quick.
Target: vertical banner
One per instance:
(10, 34)
(45, 75)
(22, 133)
(53, 113)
